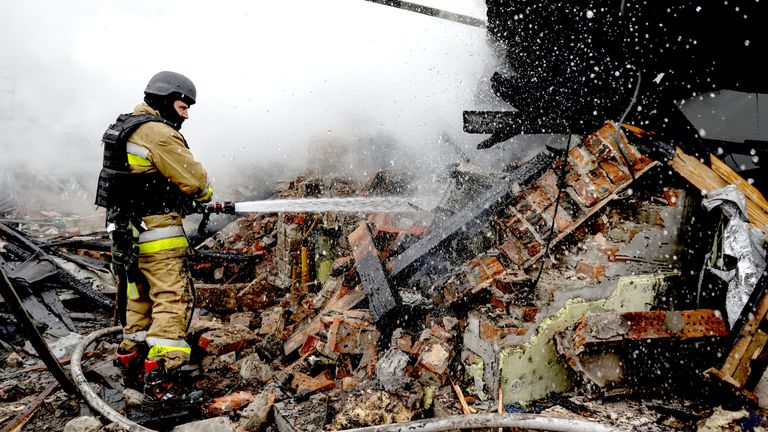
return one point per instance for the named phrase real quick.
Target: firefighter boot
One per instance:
(165, 387)
(130, 363)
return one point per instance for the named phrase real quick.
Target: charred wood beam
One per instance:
(94, 245)
(52, 313)
(504, 125)
(471, 219)
(82, 288)
(380, 297)
(15, 304)
(433, 12)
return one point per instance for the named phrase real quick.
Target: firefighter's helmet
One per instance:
(165, 83)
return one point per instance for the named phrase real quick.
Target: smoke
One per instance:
(278, 82)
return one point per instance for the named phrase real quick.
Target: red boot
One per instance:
(167, 387)
(130, 365)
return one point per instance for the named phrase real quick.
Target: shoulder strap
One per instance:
(125, 124)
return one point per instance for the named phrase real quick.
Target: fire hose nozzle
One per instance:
(227, 207)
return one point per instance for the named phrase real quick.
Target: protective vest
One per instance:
(134, 195)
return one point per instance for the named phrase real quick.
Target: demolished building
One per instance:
(578, 271)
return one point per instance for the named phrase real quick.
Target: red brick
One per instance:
(600, 181)
(304, 384)
(581, 159)
(532, 246)
(672, 196)
(227, 404)
(562, 221)
(540, 224)
(524, 207)
(539, 197)
(548, 183)
(614, 171)
(513, 223)
(529, 313)
(512, 282)
(690, 324)
(483, 269)
(514, 251)
(218, 342)
(585, 192)
(614, 139)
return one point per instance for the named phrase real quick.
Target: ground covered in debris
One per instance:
(583, 283)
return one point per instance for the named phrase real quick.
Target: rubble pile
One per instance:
(571, 278)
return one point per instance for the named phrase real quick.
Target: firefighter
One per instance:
(148, 182)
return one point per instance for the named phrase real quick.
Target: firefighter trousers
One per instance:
(159, 309)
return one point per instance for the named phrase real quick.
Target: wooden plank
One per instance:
(381, 299)
(744, 369)
(316, 324)
(29, 411)
(706, 179)
(460, 395)
(729, 175)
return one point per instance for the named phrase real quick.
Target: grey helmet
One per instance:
(166, 82)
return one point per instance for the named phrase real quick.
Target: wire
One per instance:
(560, 184)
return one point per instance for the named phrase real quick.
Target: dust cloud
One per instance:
(281, 85)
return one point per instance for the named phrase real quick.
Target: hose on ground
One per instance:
(93, 400)
(472, 421)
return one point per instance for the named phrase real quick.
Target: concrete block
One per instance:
(534, 369)
(258, 413)
(82, 424)
(390, 369)
(217, 424)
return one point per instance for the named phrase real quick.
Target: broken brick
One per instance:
(223, 341)
(227, 404)
(616, 174)
(344, 333)
(304, 384)
(580, 158)
(592, 271)
(217, 298)
(242, 319)
(257, 295)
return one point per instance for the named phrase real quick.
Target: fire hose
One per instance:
(93, 400)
